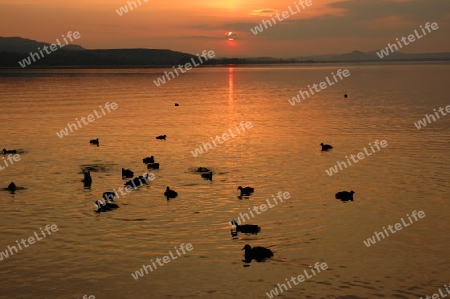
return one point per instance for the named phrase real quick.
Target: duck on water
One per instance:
(326, 147)
(345, 195)
(87, 179)
(153, 166)
(148, 160)
(127, 173)
(137, 181)
(207, 176)
(12, 187)
(95, 142)
(170, 193)
(105, 206)
(247, 191)
(5, 151)
(257, 253)
(246, 228)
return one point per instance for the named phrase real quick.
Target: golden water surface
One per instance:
(95, 254)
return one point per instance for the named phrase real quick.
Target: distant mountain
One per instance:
(15, 49)
(18, 44)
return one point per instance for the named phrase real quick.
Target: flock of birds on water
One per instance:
(258, 253)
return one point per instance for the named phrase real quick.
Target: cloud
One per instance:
(202, 37)
(364, 19)
(418, 10)
(243, 26)
(262, 12)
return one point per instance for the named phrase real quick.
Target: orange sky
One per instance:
(326, 27)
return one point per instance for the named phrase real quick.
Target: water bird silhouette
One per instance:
(111, 206)
(170, 193)
(256, 253)
(153, 166)
(345, 196)
(100, 208)
(105, 207)
(126, 173)
(12, 187)
(87, 179)
(148, 160)
(246, 228)
(5, 151)
(95, 142)
(176, 104)
(207, 176)
(161, 137)
(247, 191)
(326, 147)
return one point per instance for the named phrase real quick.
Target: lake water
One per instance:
(95, 254)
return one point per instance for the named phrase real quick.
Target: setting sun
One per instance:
(231, 35)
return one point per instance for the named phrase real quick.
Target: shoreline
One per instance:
(227, 65)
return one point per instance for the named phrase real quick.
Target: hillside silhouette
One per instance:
(15, 49)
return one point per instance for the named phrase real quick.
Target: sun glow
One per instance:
(231, 35)
(230, 4)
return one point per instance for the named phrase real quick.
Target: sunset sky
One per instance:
(326, 27)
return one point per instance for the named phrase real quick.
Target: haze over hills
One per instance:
(18, 44)
(15, 49)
